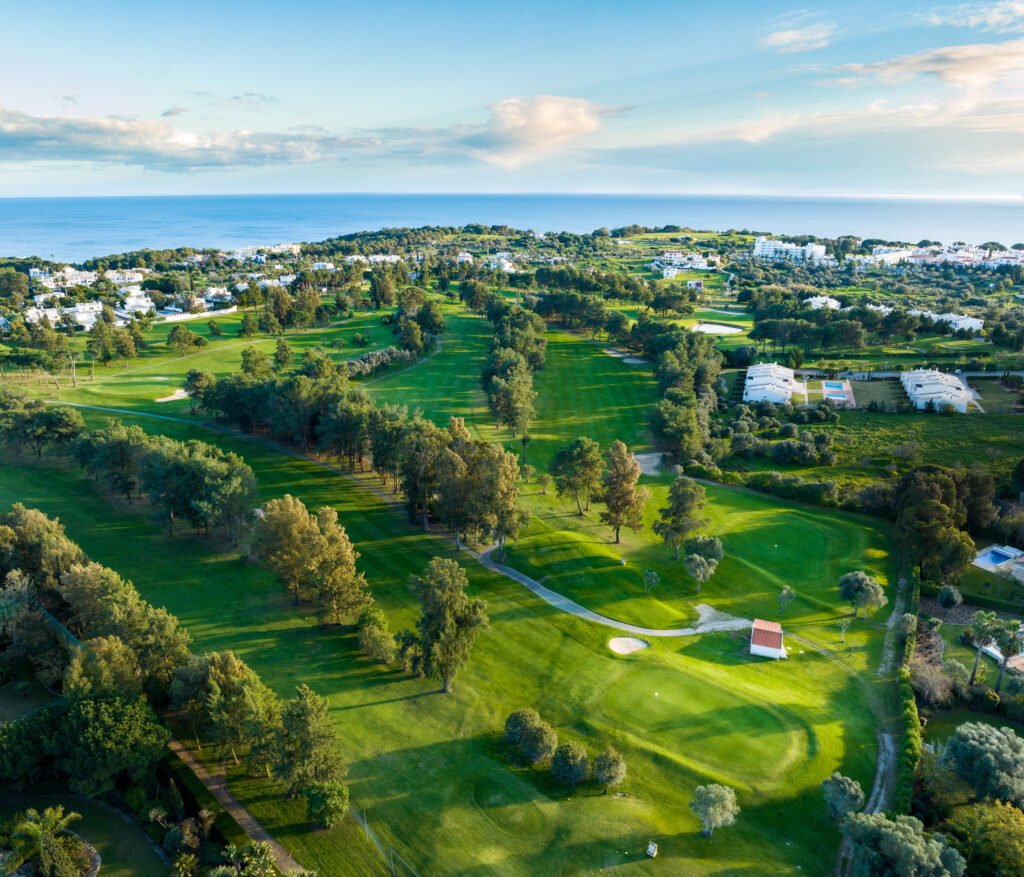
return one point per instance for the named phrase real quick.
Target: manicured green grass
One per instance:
(995, 398)
(883, 391)
(124, 850)
(414, 752)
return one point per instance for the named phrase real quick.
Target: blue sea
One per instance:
(75, 229)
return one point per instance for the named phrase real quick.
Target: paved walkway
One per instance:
(218, 786)
(559, 601)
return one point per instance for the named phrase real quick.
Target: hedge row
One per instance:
(913, 607)
(197, 797)
(910, 745)
(980, 600)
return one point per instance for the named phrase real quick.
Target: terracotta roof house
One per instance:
(766, 639)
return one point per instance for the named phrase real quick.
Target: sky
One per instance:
(122, 98)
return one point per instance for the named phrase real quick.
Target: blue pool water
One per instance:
(833, 385)
(839, 397)
(997, 557)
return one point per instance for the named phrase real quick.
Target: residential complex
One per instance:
(768, 382)
(766, 248)
(931, 387)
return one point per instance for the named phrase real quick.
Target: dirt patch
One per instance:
(174, 397)
(649, 463)
(962, 614)
(625, 645)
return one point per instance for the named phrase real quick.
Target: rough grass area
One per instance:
(124, 850)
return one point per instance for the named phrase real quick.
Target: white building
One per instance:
(125, 278)
(74, 277)
(938, 388)
(957, 321)
(817, 302)
(218, 295)
(44, 297)
(464, 258)
(766, 248)
(35, 315)
(501, 262)
(768, 382)
(138, 303)
(669, 272)
(381, 258)
(766, 640)
(323, 266)
(351, 260)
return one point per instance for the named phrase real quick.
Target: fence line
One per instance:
(393, 860)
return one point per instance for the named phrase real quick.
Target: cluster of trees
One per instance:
(569, 762)
(31, 423)
(861, 591)
(417, 321)
(311, 555)
(117, 657)
(517, 350)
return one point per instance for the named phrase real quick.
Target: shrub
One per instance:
(377, 643)
(949, 597)
(569, 764)
(518, 721)
(326, 802)
(910, 745)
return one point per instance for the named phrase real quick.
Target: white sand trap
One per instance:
(159, 378)
(174, 397)
(611, 352)
(624, 645)
(634, 360)
(649, 463)
(716, 329)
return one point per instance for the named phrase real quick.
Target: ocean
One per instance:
(75, 229)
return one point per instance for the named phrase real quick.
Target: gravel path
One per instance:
(218, 786)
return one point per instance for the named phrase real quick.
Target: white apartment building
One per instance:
(381, 259)
(939, 388)
(766, 248)
(323, 266)
(464, 258)
(768, 382)
(817, 302)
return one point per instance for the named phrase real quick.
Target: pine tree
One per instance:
(307, 744)
(624, 501)
(683, 514)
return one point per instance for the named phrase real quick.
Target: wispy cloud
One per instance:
(519, 130)
(1006, 16)
(800, 39)
(968, 66)
(158, 145)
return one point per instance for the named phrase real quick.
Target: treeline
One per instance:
(518, 348)
(471, 486)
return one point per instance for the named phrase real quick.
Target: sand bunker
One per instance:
(611, 352)
(634, 360)
(624, 645)
(649, 463)
(159, 378)
(174, 397)
(716, 329)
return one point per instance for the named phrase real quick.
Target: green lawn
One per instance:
(124, 850)
(995, 398)
(430, 771)
(413, 752)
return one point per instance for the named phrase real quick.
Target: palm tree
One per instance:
(1009, 643)
(30, 833)
(982, 633)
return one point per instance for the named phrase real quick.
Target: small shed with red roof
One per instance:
(766, 639)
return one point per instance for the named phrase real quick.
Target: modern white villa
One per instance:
(925, 386)
(768, 382)
(766, 640)
(766, 248)
(817, 302)
(957, 321)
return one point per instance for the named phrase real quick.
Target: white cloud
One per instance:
(800, 39)
(521, 130)
(969, 66)
(1006, 16)
(157, 144)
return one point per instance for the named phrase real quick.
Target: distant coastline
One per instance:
(74, 229)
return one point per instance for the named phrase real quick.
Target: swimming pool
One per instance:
(838, 397)
(833, 385)
(994, 556)
(997, 557)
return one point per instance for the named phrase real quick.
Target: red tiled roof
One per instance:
(767, 634)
